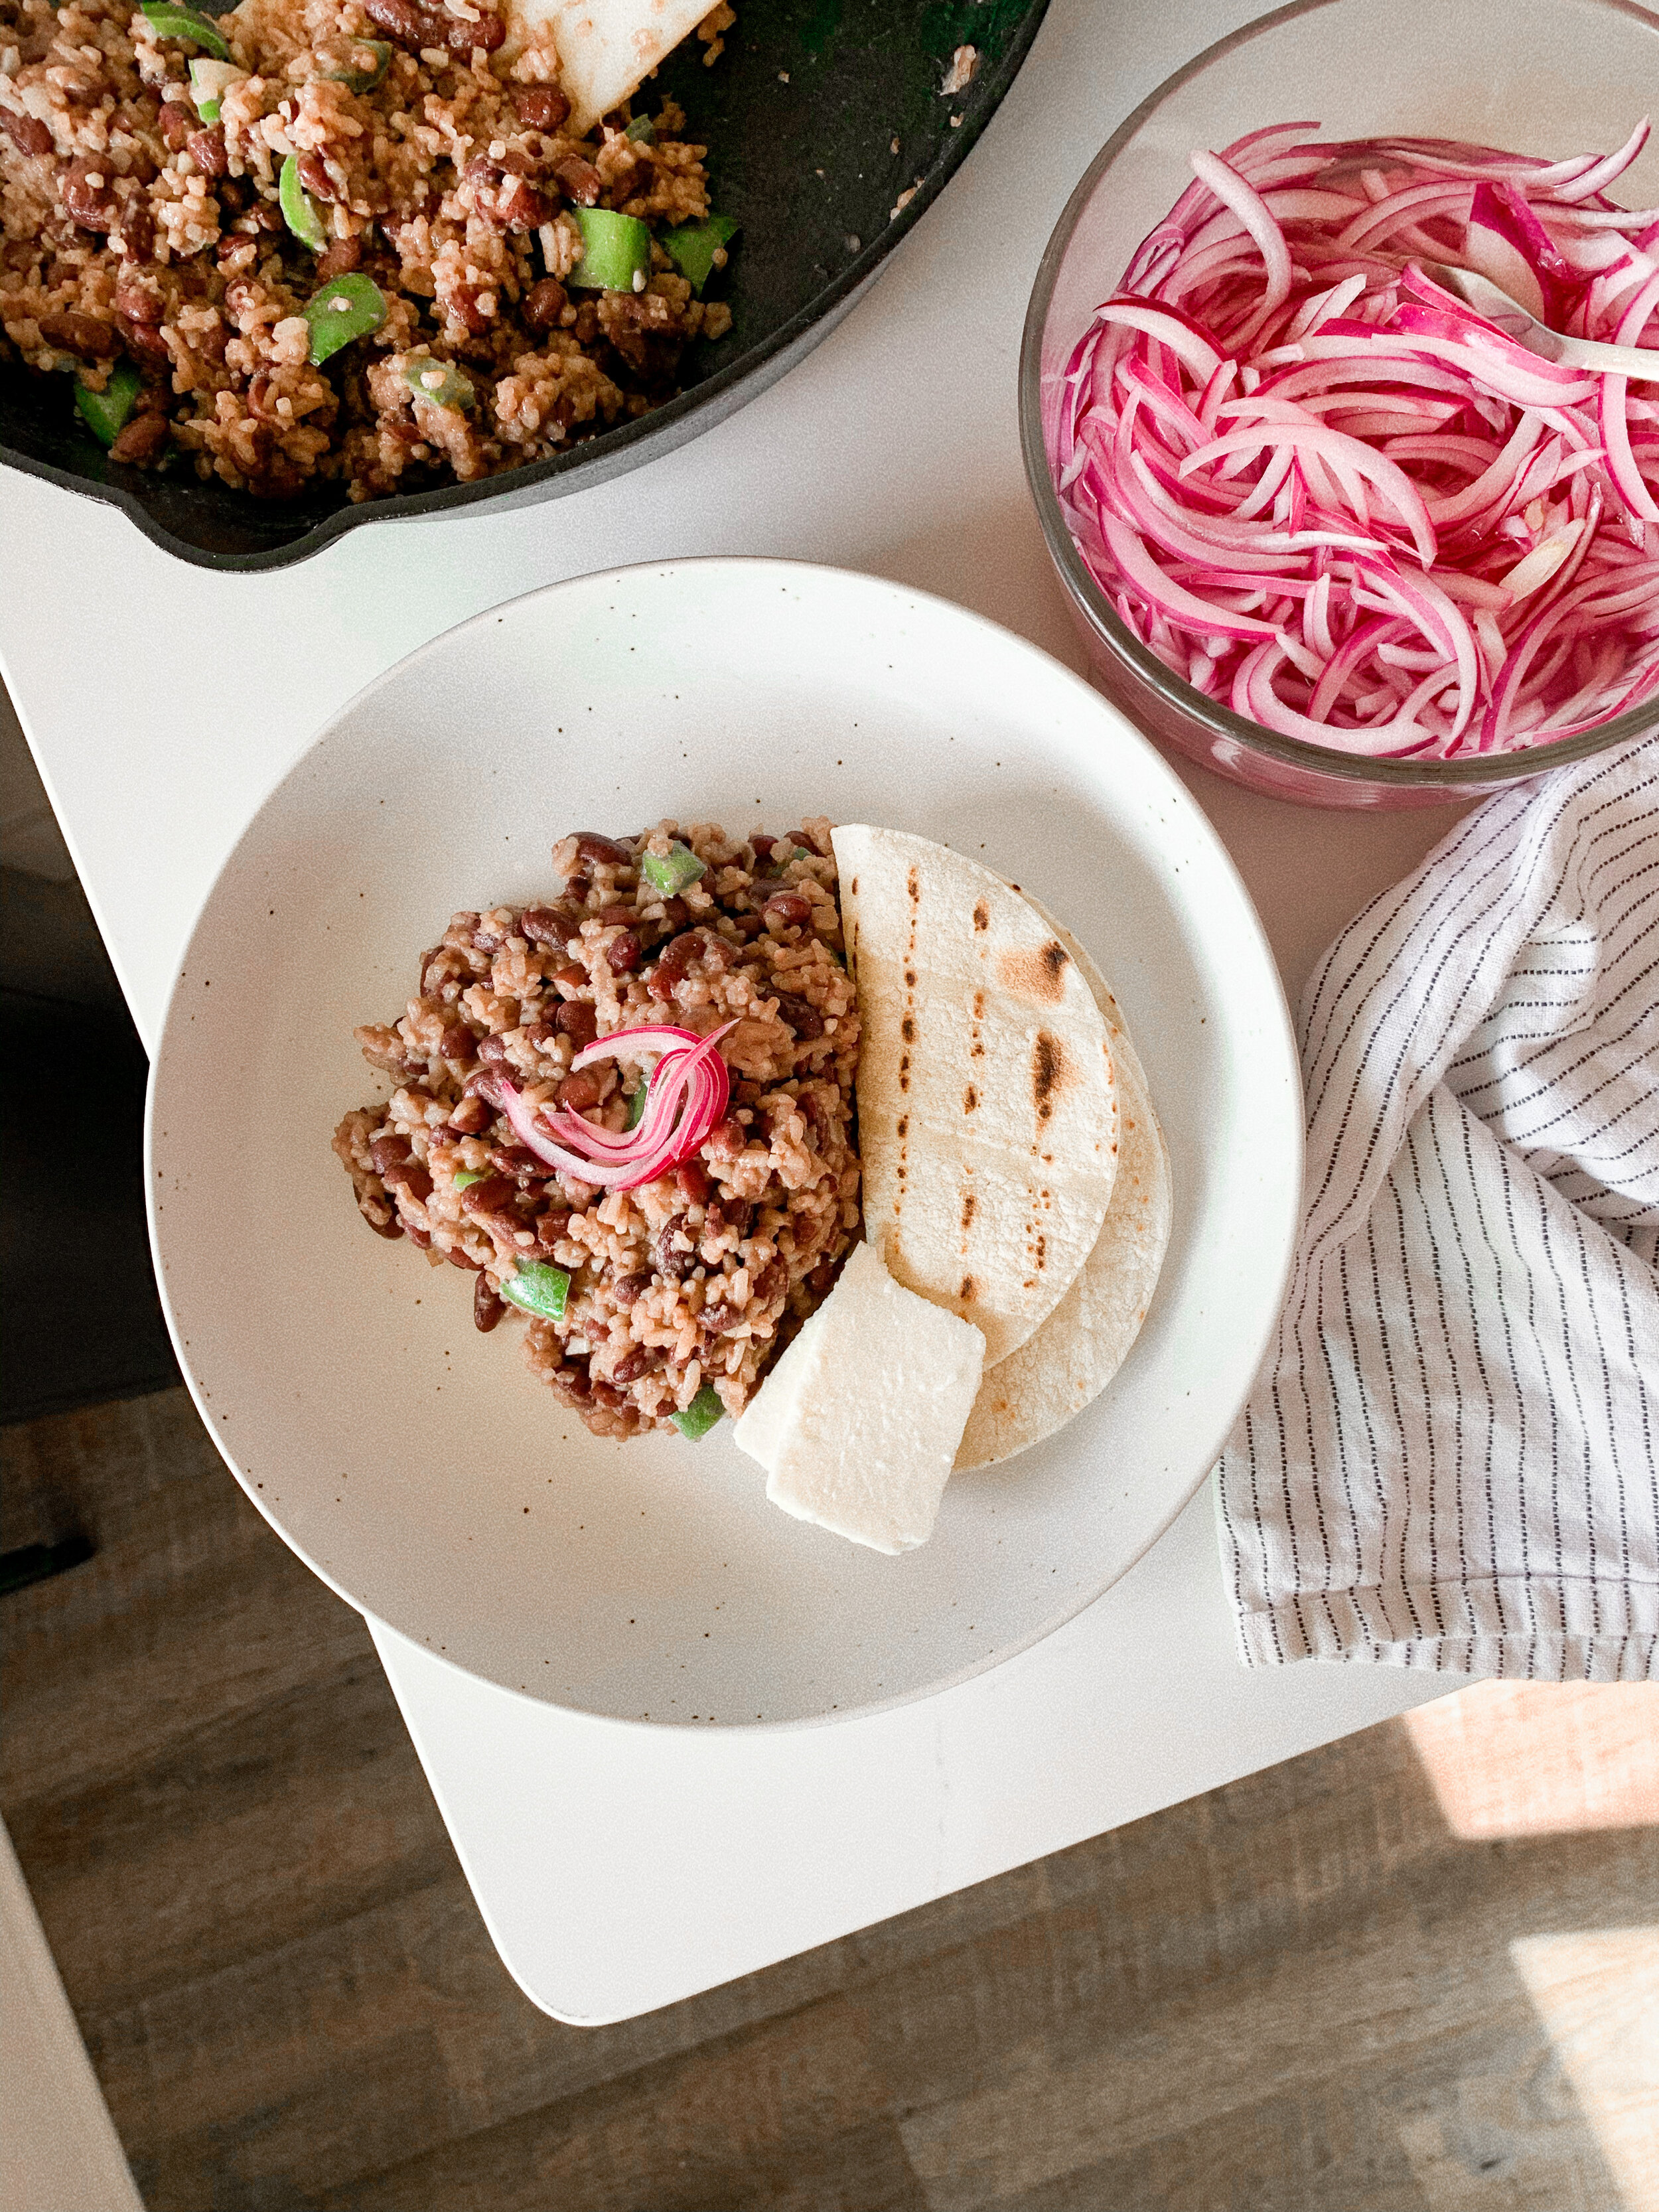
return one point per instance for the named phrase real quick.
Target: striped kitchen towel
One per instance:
(1452, 1457)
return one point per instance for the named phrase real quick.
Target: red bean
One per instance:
(548, 924)
(805, 1021)
(541, 106)
(389, 1152)
(727, 1138)
(142, 440)
(691, 1181)
(207, 149)
(627, 1288)
(470, 1118)
(492, 1050)
(579, 1093)
(487, 1307)
(412, 1179)
(491, 1196)
(26, 132)
(458, 1257)
(791, 908)
(673, 1264)
(578, 1020)
(625, 953)
(145, 342)
(591, 845)
(314, 174)
(578, 180)
(137, 303)
(92, 205)
(88, 337)
(342, 256)
(632, 1365)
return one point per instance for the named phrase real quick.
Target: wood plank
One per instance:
(1305, 1990)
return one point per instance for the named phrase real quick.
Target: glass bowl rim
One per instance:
(1482, 770)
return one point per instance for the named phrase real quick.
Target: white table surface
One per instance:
(622, 1868)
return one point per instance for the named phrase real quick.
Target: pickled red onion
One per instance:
(1325, 491)
(685, 1095)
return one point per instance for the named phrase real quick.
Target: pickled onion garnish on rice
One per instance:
(1328, 494)
(686, 1095)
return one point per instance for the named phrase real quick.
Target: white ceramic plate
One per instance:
(416, 1466)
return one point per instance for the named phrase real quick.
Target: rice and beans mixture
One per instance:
(687, 1284)
(136, 236)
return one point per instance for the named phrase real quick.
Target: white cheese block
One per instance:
(761, 1421)
(873, 1411)
(607, 48)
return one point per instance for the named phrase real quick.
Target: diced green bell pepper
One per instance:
(616, 251)
(670, 871)
(105, 412)
(693, 246)
(643, 131)
(636, 1107)
(438, 382)
(347, 307)
(701, 1415)
(540, 1290)
(299, 211)
(373, 56)
(207, 82)
(168, 19)
(464, 1178)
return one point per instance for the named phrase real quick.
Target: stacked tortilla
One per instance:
(1014, 1171)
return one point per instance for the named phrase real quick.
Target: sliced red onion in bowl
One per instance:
(1322, 488)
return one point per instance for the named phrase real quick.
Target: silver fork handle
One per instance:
(1636, 361)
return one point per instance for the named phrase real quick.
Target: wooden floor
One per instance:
(1417, 1969)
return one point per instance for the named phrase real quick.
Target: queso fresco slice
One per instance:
(875, 1394)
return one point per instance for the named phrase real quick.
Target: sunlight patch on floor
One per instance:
(1541, 1758)
(1597, 1995)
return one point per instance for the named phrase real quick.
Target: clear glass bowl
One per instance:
(1541, 76)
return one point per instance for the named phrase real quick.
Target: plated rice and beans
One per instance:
(628, 1113)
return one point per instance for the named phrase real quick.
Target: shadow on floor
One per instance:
(82, 1318)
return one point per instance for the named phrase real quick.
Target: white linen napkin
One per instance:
(1451, 1459)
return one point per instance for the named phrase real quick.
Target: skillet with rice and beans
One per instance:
(362, 245)
(658, 1305)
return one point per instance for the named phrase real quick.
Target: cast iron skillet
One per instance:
(817, 115)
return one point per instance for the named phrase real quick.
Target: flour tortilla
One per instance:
(1086, 1338)
(607, 48)
(987, 1101)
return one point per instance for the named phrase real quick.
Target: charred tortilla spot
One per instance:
(1042, 1253)
(968, 1290)
(910, 978)
(968, 1206)
(981, 916)
(1040, 975)
(913, 884)
(1049, 1072)
(970, 1099)
(979, 1006)
(907, 1029)
(903, 1126)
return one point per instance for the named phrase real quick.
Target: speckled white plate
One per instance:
(414, 1465)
